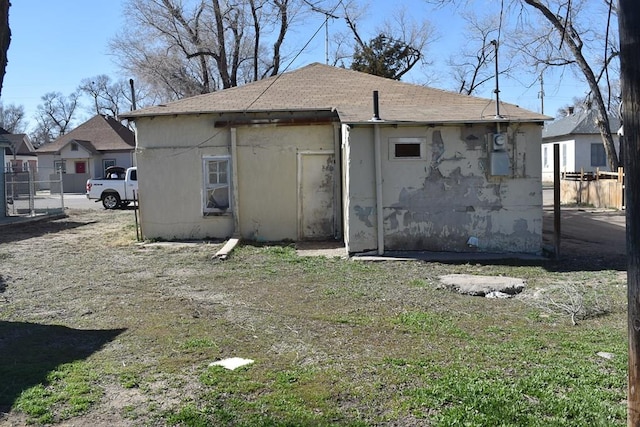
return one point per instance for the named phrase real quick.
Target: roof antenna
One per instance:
(497, 89)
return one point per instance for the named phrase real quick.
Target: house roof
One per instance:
(319, 87)
(100, 133)
(580, 123)
(18, 141)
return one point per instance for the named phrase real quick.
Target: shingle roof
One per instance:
(103, 132)
(350, 93)
(20, 141)
(580, 123)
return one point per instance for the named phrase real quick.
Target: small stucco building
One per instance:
(329, 153)
(86, 152)
(581, 146)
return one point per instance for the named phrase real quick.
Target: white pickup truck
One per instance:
(117, 189)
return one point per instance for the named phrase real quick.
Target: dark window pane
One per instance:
(407, 150)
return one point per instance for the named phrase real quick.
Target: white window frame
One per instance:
(59, 164)
(208, 186)
(109, 162)
(422, 142)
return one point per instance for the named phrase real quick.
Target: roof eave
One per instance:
(442, 122)
(136, 114)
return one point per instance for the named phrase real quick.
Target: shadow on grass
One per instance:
(25, 229)
(29, 351)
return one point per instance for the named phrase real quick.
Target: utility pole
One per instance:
(629, 26)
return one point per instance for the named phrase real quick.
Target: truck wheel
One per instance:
(110, 200)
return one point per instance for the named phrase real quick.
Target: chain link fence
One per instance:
(26, 196)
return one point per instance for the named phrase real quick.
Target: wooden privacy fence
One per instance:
(599, 189)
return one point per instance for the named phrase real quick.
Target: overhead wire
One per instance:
(276, 78)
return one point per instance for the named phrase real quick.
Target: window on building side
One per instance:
(217, 188)
(407, 148)
(59, 166)
(598, 155)
(107, 163)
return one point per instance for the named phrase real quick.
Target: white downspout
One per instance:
(378, 166)
(379, 210)
(234, 184)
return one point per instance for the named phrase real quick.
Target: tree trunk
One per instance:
(629, 23)
(575, 48)
(5, 38)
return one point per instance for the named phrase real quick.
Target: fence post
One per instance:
(556, 201)
(61, 190)
(32, 193)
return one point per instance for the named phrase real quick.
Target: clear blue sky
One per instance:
(55, 44)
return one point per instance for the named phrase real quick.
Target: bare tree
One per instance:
(568, 34)
(184, 48)
(12, 118)
(564, 45)
(473, 64)
(110, 97)
(54, 116)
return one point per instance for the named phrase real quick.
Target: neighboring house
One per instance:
(581, 146)
(304, 155)
(86, 152)
(20, 156)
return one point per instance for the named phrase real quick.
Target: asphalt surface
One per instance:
(80, 201)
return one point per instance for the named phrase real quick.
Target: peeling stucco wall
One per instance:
(169, 155)
(441, 200)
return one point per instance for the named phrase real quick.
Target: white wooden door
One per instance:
(316, 195)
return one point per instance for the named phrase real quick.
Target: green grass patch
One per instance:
(70, 390)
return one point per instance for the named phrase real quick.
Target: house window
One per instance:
(74, 146)
(407, 148)
(217, 188)
(107, 163)
(598, 155)
(564, 155)
(545, 157)
(59, 166)
(16, 165)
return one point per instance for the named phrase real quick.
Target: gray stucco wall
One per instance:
(442, 200)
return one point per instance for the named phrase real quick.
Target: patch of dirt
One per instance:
(162, 312)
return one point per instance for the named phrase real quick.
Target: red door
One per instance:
(81, 167)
